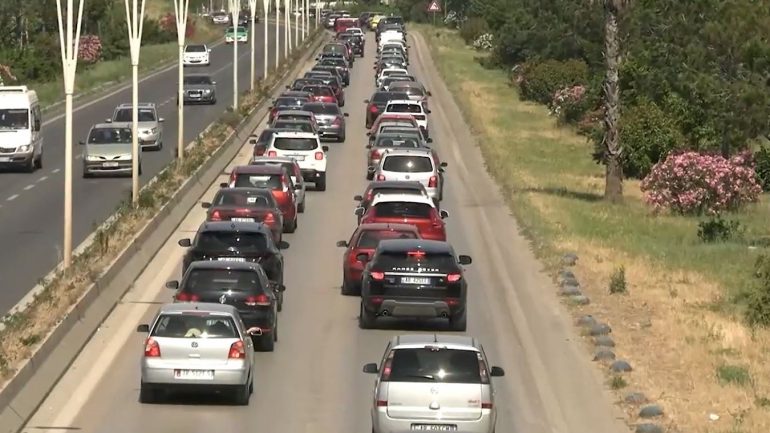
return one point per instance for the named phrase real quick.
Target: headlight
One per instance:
(206, 91)
(154, 131)
(125, 157)
(24, 148)
(92, 158)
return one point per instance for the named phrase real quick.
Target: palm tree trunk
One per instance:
(613, 150)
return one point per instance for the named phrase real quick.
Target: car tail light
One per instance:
(370, 195)
(272, 153)
(187, 297)
(382, 403)
(387, 368)
(484, 375)
(452, 302)
(216, 216)
(319, 156)
(376, 300)
(233, 178)
(151, 349)
(380, 177)
(453, 278)
(237, 351)
(269, 219)
(261, 300)
(433, 182)
(379, 276)
(373, 109)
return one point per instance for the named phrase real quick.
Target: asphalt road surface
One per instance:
(313, 382)
(31, 205)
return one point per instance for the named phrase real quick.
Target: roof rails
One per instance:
(141, 104)
(14, 89)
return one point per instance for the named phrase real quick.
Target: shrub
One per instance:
(758, 306)
(717, 229)
(762, 160)
(90, 49)
(647, 135)
(692, 183)
(167, 23)
(484, 42)
(566, 98)
(472, 28)
(541, 80)
(618, 283)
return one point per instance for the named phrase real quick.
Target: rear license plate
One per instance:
(243, 220)
(415, 280)
(298, 157)
(434, 427)
(194, 374)
(5, 159)
(110, 164)
(231, 259)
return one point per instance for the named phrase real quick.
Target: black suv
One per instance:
(356, 41)
(227, 241)
(243, 285)
(414, 278)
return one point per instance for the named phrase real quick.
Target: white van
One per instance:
(21, 140)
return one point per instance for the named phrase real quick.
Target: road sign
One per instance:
(434, 6)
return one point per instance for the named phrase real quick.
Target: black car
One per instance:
(356, 41)
(363, 19)
(377, 103)
(299, 83)
(248, 242)
(343, 76)
(339, 63)
(244, 285)
(414, 278)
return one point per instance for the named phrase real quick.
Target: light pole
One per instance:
(277, 33)
(317, 13)
(265, 9)
(296, 21)
(180, 9)
(235, 8)
(287, 27)
(253, 10)
(69, 44)
(135, 24)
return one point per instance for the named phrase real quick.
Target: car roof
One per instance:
(232, 226)
(408, 198)
(413, 341)
(404, 101)
(223, 264)
(421, 152)
(387, 226)
(209, 307)
(274, 160)
(295, 112)
(396, 184)
(295, 134)
(258, 169)
(112, 125)
(429, 246)
(139, 105)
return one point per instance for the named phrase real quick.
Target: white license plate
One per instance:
(243, 220)
(298, 157)
(415, 280)
(110, 164)
(434, 427)
(231, 259)
(5, 159)
(194, 374)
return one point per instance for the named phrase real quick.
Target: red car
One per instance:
(342, 24)
(321, 94)
(364, 240)
(275, 178)
(407, 209)
(246, 205)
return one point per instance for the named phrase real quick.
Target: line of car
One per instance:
(398, 260)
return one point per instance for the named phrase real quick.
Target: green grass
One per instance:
(733, 375)
(555, 189)
(102, 74)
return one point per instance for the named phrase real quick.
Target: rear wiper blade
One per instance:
(421, 376)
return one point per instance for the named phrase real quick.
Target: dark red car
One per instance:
(407, 209)
(365, 240)
(246, 205)
(321, 94)
(275, 178)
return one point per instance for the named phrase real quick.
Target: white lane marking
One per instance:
(42, 179)
(55, 170)
(13, 197)
(29, 187)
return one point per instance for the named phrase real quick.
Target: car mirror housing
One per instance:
(465, 260)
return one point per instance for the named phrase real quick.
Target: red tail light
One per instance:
(386, 370)
(483, 374)
(370, 195)
(452, 302)
(151, 349)
(187, 297)
(379, 276)
(272, 154)
(258, 301)
(375, 153)
(269, 219)
(237, 351)
(433, 182)
(453, 278)
(319, 156)
(487, 405)
(373, 109)
(380, 177)
(233, 178)
(382, 403)
(216, 216)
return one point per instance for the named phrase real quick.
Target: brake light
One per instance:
(382, 403)
(379, 276)
(380, 177)
(272, 153)
(216, 216)
(233, 178)
(319, 156)
(237, 351)
(151, 348)
(373, 109)
(387, 368)
(258, 301)
(370, 195)
(487, 405)
(453, 278)
(375, 153)
(452, 302)
(269, 218)
(416, 254)
(433, 182)
(483, 374)
(187, 297)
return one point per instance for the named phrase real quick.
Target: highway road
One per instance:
(313, 382)
(31, 205)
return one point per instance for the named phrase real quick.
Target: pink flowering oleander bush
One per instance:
(692, 183)
(90, 49)
(167, 23)
(566, 97)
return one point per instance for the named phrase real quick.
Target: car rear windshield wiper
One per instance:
(420, 376)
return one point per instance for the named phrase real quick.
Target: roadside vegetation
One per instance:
(687, 245)
(30, 52)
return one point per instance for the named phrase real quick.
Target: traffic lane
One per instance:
(33, 217)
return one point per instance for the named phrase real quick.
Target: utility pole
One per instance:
(181, 8)
(252, 36)
(135, 24)
(287, 28)
(277, 34)
(235, 9)
(297, 14)
(69, 44)
(265, 57)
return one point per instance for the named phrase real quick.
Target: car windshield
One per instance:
(201, 80)
(195, 49)
(228, 197)
(289, 101)
(318, 90)
(109, 135)
(294, 126)
(405, 108)
(400, 209)
(292, 143)
(195, 325)
(383, 97)
(407, 163)
(240, 29)
(124, 115)
(221, 280)
(435, 365)
(268, 181)
(327, 109)
(14, 118)
(230, 241)
(333, 62)
(397, 141)
(372, 238)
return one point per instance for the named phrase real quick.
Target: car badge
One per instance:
(434, 390)
(407, 177)
(194, 344)
(222, 299)
(231, 249)
(419, 270)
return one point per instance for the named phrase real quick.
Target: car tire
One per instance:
(280, 302)
(341, 138)
(140, 169)
(242, 395)
(86, 174)
(30, 167)
(251, 384)
(265, 343)
(147, 395)
(39, 161)
(459, 322)
(301, 207)
(366, 320)
(369, 175)
(214, 101)
(291, 228)
(320, 184)
(159, 146)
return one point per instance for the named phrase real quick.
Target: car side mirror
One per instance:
(358, 198)
(497, 372)
(444, 214)
(429, 140)
(81, 142)
(325, 148)
(363, 257)
(464, 260)
(368, 146)
(288, 86)
(359, 211)
(184, 242)
(224, 185)
(366, 101)
(213, 82)
(342, 244)
(428, 93)
(444, 165)
(369, 134)
(427, 111)
(371, 368)
(282, 245)
(209, 49)
(161, 120)
(108, 120)
(346, 114)
(143, 328)
(205, 205)
(172, 284)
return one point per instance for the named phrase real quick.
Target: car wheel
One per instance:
(86, 174)
(320, 183)
(265, 343)
(159, 146)
(366, 319)
(39, 161)
(140, 169)
(341, 138)
(147, 395)
(280, 302)
(251, 384)
(242, 395)
(459, 322)
(214, 101)
(292, 227)
(30, 167)
(301, 207)
(369, 175)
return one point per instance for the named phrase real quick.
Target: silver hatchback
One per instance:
(413, 164)
(197, 346)
(430, 382)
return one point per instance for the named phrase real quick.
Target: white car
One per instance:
(220, 17)
(306, 149)
(355, 31)
(196, 55)
(388, 72)
(415, 108)
(412, 165)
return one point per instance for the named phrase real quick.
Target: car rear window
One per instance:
(294, 126)
(388, 96)
(328, 109)
(265, 136)
(318, 90)
(405, 108)
(226, 197)
(285, 143)
(223, 241)
(125, 115)
(407, 164)
(410, 191)
(435, 365)
(269, 181)
(221, 280)
(372, 238)
(201, 325)
(403, 210)
(398, 141)
(290, 102)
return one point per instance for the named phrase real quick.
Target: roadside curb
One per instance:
(27, 389)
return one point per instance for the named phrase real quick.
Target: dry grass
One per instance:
(678, 325)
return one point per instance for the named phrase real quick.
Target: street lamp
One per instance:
(235, 9)
(277, 34)
(69, 43)
(265, 9)
(180, 9)
(135, 24)
(317, 13)
(287, 27)
(297, 14)
(253, 10)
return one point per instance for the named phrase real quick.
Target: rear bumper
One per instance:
(202, 98)
(331, 131)
(382, 423)
(202, 62)
(411, 307)
(156, 372)
(260, 319)
(310, 175)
